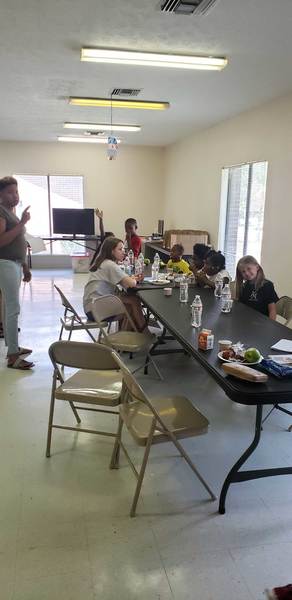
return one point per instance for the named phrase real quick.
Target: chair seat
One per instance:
(70, 323)
(130, 341)
(90, 387)
(177, 412)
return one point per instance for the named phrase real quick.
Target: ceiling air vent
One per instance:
(127, 92)
(94, 133)
(187, 7)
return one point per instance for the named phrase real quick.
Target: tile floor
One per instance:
(65, 529)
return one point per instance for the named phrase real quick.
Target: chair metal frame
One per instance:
(119, 311)
(79, 355)
(73, 322)
(284, 309)
(133, 392)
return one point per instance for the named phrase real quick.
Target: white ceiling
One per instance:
(40, 66)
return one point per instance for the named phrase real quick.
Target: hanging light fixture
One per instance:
(112, 142)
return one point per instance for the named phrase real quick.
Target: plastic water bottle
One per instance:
(157, 259)
(138, 267)
(218, 287)
(183, 291)
(131, 258)
(127, 265)
(141, 259)
(197, 309)
(226, 299)
(155, 271)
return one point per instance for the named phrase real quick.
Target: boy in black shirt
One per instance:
(253, 289)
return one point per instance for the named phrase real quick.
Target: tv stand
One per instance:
(89, 242)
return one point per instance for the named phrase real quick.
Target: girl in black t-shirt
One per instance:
(253, 289)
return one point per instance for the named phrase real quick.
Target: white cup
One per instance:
(224, 344)
(167, 291)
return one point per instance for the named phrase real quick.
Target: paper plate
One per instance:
(239, 362)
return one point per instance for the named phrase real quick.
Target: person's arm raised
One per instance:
(6, 237)
(99, 214)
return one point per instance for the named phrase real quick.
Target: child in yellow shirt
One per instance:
(176, 262)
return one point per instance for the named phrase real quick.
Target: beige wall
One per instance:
(193, 179)
(130, 186)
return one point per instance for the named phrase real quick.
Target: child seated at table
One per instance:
(214, 269)
(200, 252)
(105, 275)
(253, 289)
(133, 241)
(176, 261)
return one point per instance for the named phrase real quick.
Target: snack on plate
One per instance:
(238, 354)
(228, 354)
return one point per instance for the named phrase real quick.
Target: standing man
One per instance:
(13, 264)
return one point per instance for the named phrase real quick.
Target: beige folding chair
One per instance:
(165, 419)
(109, 307)
(71, 320)
(284, 310)
(97, 382)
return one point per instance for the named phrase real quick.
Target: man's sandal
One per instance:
(20, 363)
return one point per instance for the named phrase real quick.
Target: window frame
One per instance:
(225, 198)
(48, 176)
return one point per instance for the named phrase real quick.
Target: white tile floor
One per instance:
(65, 529)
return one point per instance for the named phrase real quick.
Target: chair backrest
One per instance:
(67, 305)
(82, 355)
(134, 390)
(187, 237)
(109, 307)
(284, 308)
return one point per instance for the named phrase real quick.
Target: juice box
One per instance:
(206, 340)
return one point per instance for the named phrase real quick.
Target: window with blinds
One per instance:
(43, 193)
(242, 211)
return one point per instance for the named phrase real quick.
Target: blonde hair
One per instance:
(260, 278)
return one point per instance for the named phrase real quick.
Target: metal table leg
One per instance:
(235, 476)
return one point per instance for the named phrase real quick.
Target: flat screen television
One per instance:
(73, 221)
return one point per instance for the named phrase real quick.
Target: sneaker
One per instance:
(280, 593)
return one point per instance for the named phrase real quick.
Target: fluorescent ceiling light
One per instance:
(85, 140)
(107, 102)
(175, 61)
(101, 127)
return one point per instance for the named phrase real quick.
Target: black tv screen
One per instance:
(73, 221)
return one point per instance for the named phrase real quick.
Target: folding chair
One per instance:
(284, 310)
(97, 382)
(166, 419)
(71, 321)
(109, 307)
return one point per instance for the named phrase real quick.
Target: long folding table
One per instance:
(242, 324)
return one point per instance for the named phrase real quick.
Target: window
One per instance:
(43, 193)
(242, 212)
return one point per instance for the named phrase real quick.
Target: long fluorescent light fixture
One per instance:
(85, 140)
(107, 102)
(101, 127)
(150, 59)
